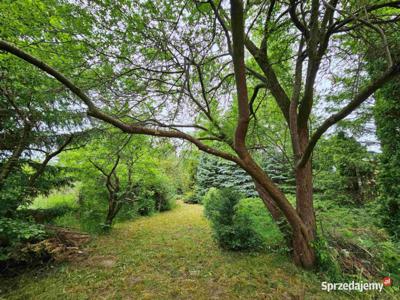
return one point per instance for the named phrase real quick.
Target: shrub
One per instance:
(191, 198)
(144, 203)
(163, 194)
(239, 224)
(251, 212)
(14, 232)
(153, 194)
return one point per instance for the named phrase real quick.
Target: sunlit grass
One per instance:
(66, 196)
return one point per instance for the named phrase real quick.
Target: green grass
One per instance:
(65, 196)
(169, 256)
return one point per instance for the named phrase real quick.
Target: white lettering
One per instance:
(351, 286)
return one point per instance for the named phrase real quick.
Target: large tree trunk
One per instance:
(303, 254)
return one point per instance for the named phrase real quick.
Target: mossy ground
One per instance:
(168, 256)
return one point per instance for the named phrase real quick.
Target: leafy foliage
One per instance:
(14, 232)
(14, 194)
(345, 170)
(387, 118)
(387, 115)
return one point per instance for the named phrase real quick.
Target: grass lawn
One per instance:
(169, 256)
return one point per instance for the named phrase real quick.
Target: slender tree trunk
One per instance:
(113, 208)
(304, 205)
(110, 213)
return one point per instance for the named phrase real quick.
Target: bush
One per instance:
(163, 194)
(191, 198)
(14, 232)
(239, 224)
(144, 204)
(251, 212)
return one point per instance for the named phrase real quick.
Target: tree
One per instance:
(223, 174)
(120, 174)
(115, 197)
(173, 61)
(36, 126)
(387, 116)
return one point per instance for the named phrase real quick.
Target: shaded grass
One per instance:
(169, 256)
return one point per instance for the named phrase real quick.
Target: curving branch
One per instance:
(272, 81)
(254, 96)
(47, 159)
(94, 112)
(296, 21)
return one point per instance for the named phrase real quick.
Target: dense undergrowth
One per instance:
(350, 244)
(63, 208)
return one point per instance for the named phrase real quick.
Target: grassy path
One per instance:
(168, 256)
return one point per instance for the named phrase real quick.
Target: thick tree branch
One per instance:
(315, 51)
(272, 81)
(295, 100)
(93, 111)
(237, 21)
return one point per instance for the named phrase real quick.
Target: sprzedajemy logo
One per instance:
(356, 286)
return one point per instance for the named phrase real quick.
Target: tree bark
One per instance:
(302, 240)
(113, 208)
(304, 206)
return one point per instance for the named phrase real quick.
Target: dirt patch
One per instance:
(101, 261)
